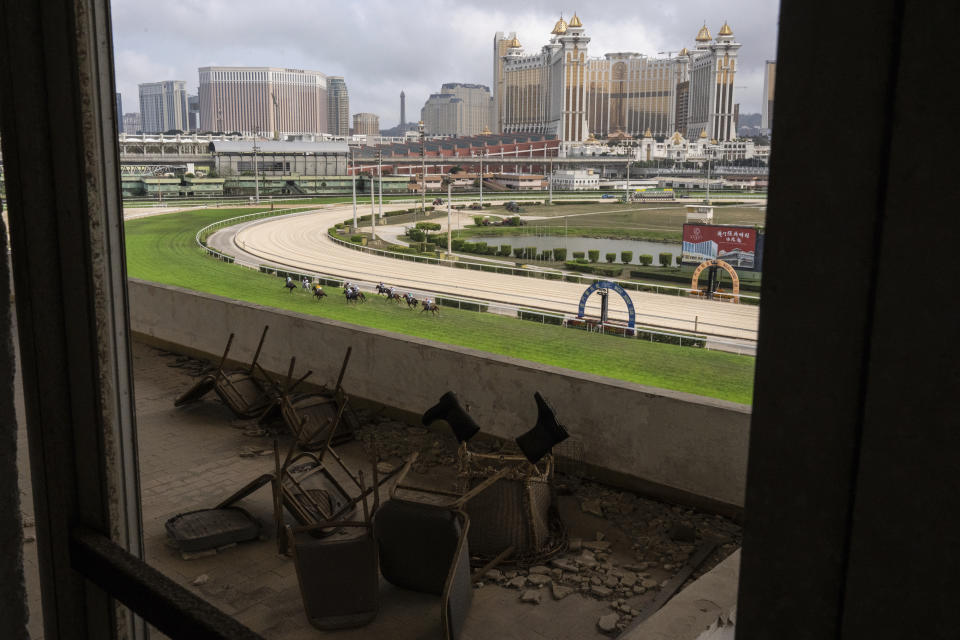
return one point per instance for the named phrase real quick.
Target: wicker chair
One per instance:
(518, 512)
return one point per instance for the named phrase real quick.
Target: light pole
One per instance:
(626, 195)
(423, 175)
(256, 173)
(481, 174)
(373, 208)
(449, 219)
(353, 187)
(709, 155)
(550, 184)
(380, 178)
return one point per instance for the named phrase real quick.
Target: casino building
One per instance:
(561, 91)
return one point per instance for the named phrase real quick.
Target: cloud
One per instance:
(383, 47)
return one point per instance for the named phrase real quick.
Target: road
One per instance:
(300, 242)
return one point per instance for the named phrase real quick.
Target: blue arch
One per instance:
(606, 284)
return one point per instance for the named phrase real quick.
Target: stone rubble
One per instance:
(531, 595)
(608, 622)
(654, 540)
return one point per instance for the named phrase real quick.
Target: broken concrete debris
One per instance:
(608, 622)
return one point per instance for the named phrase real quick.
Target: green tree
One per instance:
(559, 253)
(593, 254)
(645, 259)
(626, 257)
(666, 259)
(611, 257)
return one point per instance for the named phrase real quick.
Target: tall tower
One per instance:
(501, 46)
(711, 99)
(769, 76)
(724, 50)
(573, 43)
(403, 109)
(338, 106)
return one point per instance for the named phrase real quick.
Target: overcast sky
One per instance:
(382, 47)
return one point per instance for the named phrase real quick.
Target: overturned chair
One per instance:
(516, 519)
(247, 392)
(337, 573)
(312, 416)
(422, 540)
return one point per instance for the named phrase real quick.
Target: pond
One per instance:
(572, 243)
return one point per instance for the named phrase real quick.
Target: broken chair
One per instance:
(311, 417)
(422, 540)
(241, 390)
(337, 573)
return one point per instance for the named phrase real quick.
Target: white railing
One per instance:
(547, 274)
(639, 332)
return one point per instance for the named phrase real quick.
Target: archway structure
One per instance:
(734, 278)
(605, 285)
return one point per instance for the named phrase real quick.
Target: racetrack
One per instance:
(300, 242)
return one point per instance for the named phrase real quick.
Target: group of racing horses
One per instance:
(352, 293)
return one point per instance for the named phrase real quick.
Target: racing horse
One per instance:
(410, 300)
(319, 293)
(354, 295)
(290, 284)
(394, 297)
(431, 306)
(383, 290)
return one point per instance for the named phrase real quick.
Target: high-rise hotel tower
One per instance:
(561, 91)
(265, 100)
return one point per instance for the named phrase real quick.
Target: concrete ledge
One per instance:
(684, 444)
(704, 610)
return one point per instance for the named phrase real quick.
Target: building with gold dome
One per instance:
(560, 90)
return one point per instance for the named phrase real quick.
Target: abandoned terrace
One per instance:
(624, 553)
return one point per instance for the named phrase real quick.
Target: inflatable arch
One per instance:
(606, 284)
(734, 278)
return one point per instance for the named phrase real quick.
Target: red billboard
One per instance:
(736, 246)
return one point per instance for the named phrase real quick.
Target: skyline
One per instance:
(382, 49)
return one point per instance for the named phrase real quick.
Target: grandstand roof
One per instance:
(277, 146)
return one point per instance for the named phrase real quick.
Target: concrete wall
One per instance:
(676, 445)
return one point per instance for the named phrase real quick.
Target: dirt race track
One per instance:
(300, 242)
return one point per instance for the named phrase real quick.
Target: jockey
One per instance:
(392, 289)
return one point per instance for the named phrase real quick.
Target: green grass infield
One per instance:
(162, 249)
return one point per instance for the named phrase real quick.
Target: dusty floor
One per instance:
(623, 547)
